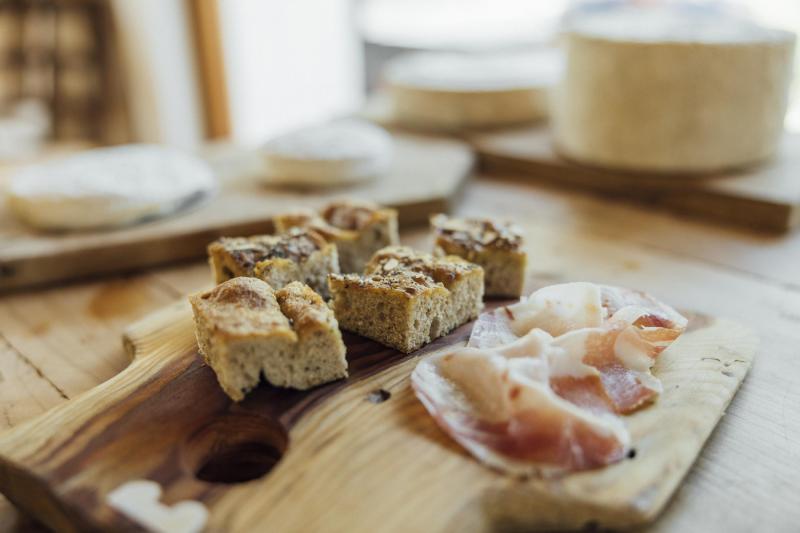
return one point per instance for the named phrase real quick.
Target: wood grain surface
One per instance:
(56, 343)
(358, 443)
(426, 176)
(766, 197)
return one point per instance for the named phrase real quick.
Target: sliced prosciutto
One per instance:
(503, 411)
(558, 309)
(616, 331)
(541, 383)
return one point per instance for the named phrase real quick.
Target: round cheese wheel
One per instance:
(449, 91)
(671, 90)
(333, 153)
(107, 187)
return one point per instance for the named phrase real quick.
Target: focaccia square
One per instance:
(406, 299)
(463, 280)
(245, 328)
(497, 247)
(358, 229)
(298, 255)
(401, 310)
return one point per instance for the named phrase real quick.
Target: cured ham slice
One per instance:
(558, 309)
(647, 310)
(541, 383)
(503, 411)
(616, 331)
(615, 386)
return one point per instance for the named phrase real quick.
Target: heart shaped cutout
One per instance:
(140, 500)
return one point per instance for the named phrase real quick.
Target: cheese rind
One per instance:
(328, 154)
(441, 91)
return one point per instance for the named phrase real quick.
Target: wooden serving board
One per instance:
(426, 176)
(766, 197)
(359, 454)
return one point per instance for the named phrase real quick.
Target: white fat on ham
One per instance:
(634, 350)
(535, 344)
(492, 329)
(503, 411)
(558, 309)
(567, 352)
(541, 383)
(627, 349)
(625, 303)
(616, 332)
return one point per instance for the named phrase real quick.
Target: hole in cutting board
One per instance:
(378, 396)
(6, 271)
(235, 447)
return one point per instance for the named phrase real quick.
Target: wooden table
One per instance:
(58, 342)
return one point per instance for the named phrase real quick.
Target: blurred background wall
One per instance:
(110, 71)
(158, 59)
(289, 63)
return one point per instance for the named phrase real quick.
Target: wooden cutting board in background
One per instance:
(766, 197)
(359, 454)
(426, 176)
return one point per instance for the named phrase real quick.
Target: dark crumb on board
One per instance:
(6, 271)
(378, 396)
(591, 525)
(631, 453)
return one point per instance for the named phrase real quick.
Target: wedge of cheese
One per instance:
(671, 90)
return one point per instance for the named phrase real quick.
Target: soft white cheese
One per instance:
(108, 187)
(326, 154)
